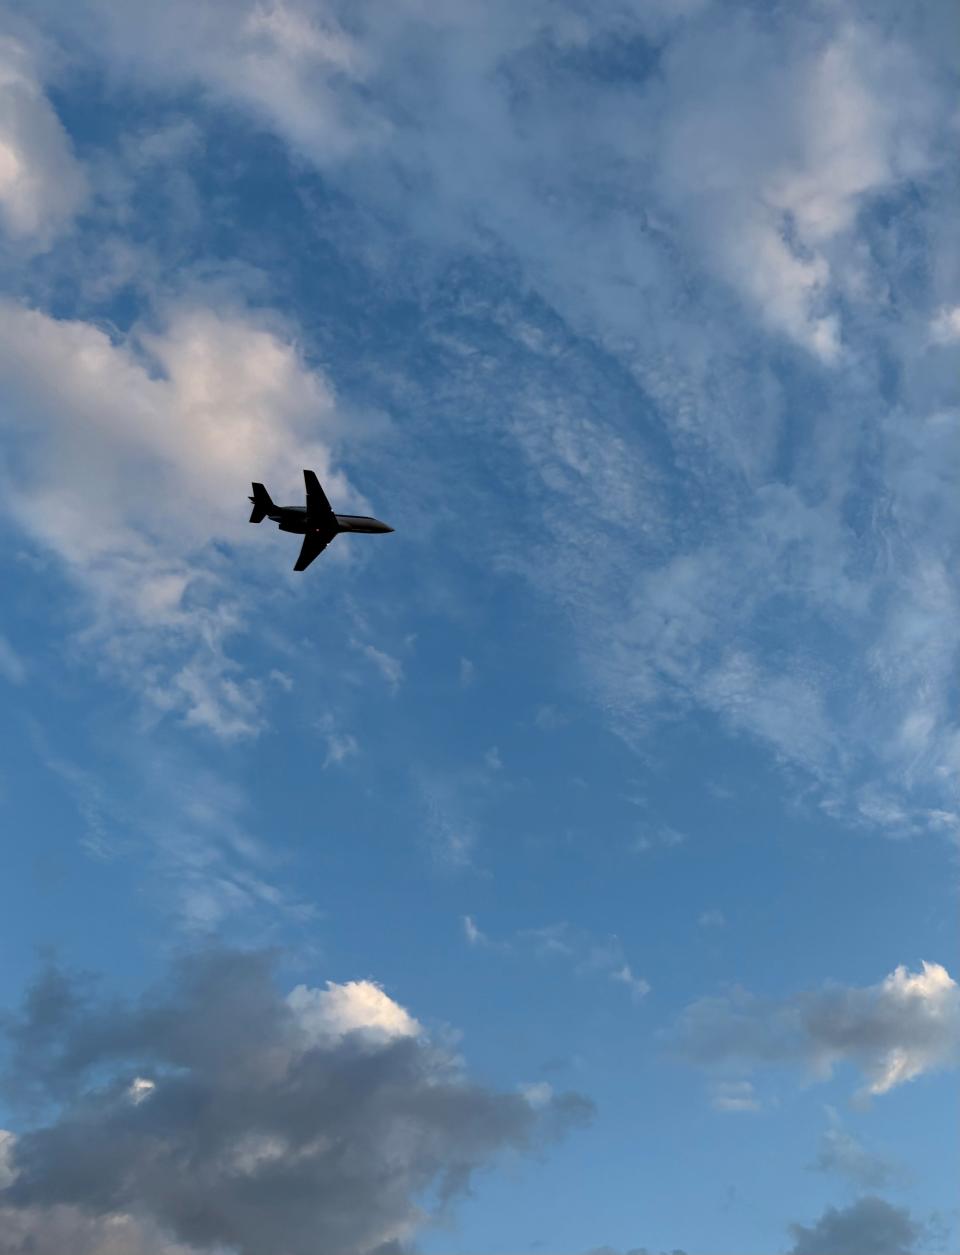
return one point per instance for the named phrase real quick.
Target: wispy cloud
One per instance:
(734, 1096)
(389, 667)
(841, 1154)
(713, 918)
(728, 261)
(587, 956)
(12, 667)
(341, 745)
(205, 868)
(42, 185)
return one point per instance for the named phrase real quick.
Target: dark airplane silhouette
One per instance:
(315, 521)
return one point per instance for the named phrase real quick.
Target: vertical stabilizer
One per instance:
(262, 505)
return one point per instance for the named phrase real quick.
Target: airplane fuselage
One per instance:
(293, 518)
(315, 521)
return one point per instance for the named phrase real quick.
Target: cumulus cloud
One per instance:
(128, 459)
(870, 1226)
(896, 1031)
(320, 1121)
(42, 186)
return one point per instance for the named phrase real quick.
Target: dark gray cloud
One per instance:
(218, 1113)
(870, 1226)
(894, 1031)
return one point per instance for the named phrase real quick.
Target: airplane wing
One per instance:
(313, 546)
(318, 507)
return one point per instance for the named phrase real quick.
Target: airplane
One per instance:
(315, 521)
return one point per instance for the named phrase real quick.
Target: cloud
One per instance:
(745, 253)
(945, 328)
(330, 1122)
(634, 1250)
(7, 1145)
(657, 837)
(12, 666)
(587, 955)
(870, 1226)
(840, 1154)
(70, 1231)
(340, 745)
(389, 667)
(623, 974)
(473, 934)
(204, 865)
(713, 918)
(129, 459)
(734, 1096)
(42, 186)
(894, 1032)
(549, 719)
(492, 759)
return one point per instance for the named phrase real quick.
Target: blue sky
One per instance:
(573, 870)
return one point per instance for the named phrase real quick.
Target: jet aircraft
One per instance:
(315, 521)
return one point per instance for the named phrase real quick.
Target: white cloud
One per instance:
(128, 459)
(894, 1032)
(340, 745)
(638, 987)
(718, 219)
(538, 1093)
(655, 837)
(945, 328)
(734, 1096)
(140, 1089)
(359, 1006)
(389, 667)
(472, 933)
(42, 186)
(288, 64)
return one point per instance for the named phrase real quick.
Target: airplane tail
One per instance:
(262, 505)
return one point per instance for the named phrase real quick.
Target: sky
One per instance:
(573, 870)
